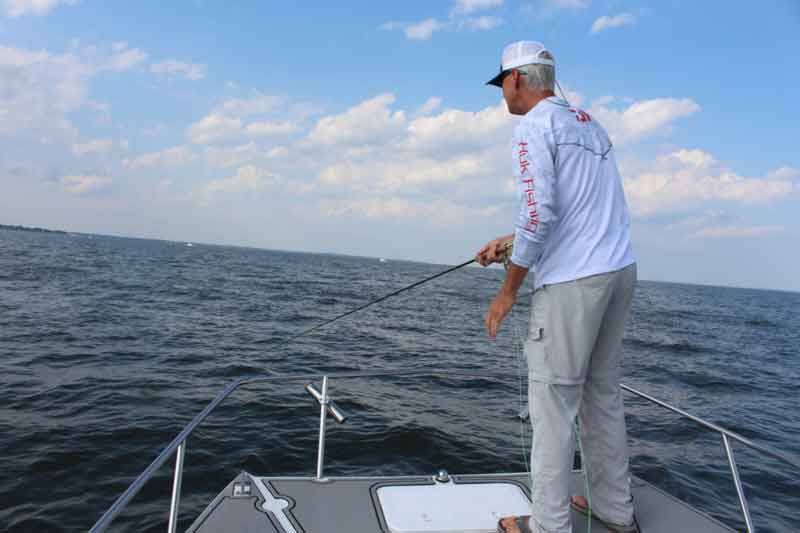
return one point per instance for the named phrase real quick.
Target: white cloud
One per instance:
(257, 104)
(454, 129)
(18, 8)
(249, 178)
(17, 57)
(41, 93)
(617, 21)
(783, 173)
(226, 121)
(459, 19)
(687, 179)
(458, 153)
(124, 58)
(368, 122)
(465, 7)
(38, 90)
(641, 119)
(171, 157)
(213, 128)
(417, 31)
(80, 184)
(233, 156)
(436, 212)
(697, 159)
(430, 105)
(401, 173)
(95, 146)
(267, 129)
(172, 67)
(481, 23)
(300, 188)
(422, 30)
(716, 224)
(695, 221)
(277, 152)
(723, 232)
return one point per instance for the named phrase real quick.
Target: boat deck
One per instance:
(406, 504)
(413, 504)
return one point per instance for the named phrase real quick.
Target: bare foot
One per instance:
(509, 524)
(579, 502)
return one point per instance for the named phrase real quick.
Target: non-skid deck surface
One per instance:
(351, 505)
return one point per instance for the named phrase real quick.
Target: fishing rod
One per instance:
(506, 247)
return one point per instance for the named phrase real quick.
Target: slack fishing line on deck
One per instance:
(506, 248)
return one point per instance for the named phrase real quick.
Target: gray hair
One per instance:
(539, 77)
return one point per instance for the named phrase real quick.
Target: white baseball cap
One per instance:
(522, 53)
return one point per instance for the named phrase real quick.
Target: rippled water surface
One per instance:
(109, 346)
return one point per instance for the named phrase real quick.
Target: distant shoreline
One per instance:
(33, 229)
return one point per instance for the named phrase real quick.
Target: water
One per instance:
(109, 346)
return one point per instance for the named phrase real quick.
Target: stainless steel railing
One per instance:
(726, 435)
(327, 406)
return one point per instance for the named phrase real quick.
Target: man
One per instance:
(573, 230)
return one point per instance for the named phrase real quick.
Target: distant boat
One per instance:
(382, 260)
(189, 244)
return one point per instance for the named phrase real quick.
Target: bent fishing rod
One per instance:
(506, 247)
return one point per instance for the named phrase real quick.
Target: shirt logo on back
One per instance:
(581, 116)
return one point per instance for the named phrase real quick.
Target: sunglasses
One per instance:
(505, 74)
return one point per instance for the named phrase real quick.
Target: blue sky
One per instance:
(365, 128)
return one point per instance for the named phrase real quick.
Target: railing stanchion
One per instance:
(738, 482)
(176, 489)
(323, 415)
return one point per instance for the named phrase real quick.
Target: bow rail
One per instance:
(178, 445)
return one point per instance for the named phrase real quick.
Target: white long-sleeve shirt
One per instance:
(573, 220)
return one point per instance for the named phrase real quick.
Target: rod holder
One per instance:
(326, 406)
(333, 409)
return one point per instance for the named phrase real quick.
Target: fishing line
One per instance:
(576, 427)
(519, 348)
(518, 343)
(564, 96)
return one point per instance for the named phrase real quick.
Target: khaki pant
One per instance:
(574, 353)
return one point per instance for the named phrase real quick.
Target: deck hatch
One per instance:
(450, 507)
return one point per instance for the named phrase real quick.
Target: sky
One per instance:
(365, 128)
